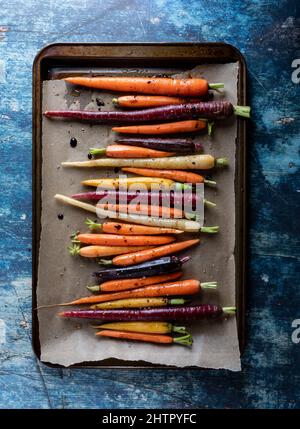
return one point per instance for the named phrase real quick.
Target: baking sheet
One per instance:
(63, 278)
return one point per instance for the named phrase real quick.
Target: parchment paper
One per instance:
(62, 277)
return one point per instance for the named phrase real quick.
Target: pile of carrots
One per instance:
(140, 290)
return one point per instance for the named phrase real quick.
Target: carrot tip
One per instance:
(61, 314)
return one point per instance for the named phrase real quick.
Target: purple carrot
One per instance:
(180, 145)
(187, 313)
(205, 109)
(166, 264)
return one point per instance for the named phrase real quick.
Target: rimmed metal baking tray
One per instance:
(61, 59)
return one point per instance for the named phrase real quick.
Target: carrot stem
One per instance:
(243, 111)
(215, 85)
(209, 285)
(210, 182)
(185, 340)
(221, 162)
(210, 127)
(179, 329)
(209, 203)
(177, 301)
(94, 288)
(210, 229)
(93, 225)
(74, 249)
(229, 310)
(97, 151)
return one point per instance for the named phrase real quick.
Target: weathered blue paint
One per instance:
(267, 33)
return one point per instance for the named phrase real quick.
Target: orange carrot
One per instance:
(101, 251)
(177, 175)
(128, 151)
(184, 340)
(149, 254)
(190, 87)
(132, 229)
(149, 338)
(144, 209)
(127, 284)
(189, 126)
(150, 100)
(123, 240)
(180, 288)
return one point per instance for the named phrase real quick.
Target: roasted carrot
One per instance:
(157, 267)
(182, 224)
(136, 101)
(156, 252)
(189, 126)
(140, 183)
(180, 288)
(177, 175)
(191, 87)
(185, 340)
(189, 162)
(180, 146)
(127, 284)
(123, 240)
(102, 251)
(143, 327)
(127, 151)
(181, 313)
(180, 112)
(138, 303)
(144, 209)
(171, 198)
(129, 228)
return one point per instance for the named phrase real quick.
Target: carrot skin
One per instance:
(167, 264)
(144, 209)
(119, 240)
(178, 145)
(149, 338)
(127, 284)
(142, 327)
(180, 112)
(148, 254)
(133, 229)
(138, 101)
(182, 313)
(94, 251)
(183, 87)
(176, 175)
(132, 303)
(188, 126)
(180, 288)
(128, 151)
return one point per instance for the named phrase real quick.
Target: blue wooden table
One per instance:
(267, 33)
